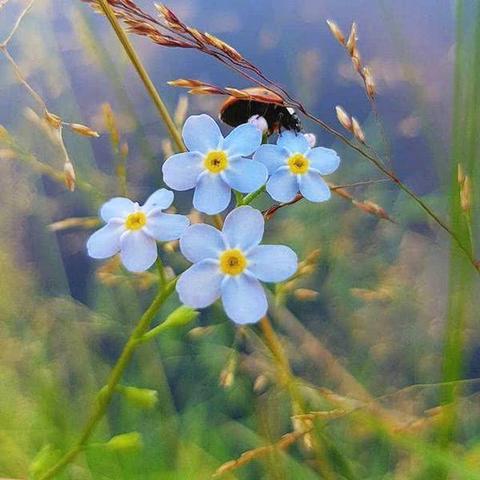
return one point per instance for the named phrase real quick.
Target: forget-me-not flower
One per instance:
(230, 264)
(132, 230)
(214, 165)
(294, 167)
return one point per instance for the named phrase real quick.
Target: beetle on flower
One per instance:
(215, 165)
(294, 166)
(132, 230)
(230, 264)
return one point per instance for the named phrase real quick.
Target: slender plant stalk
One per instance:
(106, 394)
(321, 444)
(142, 72)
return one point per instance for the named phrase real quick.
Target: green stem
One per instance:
(248, 199)
(150, 87)
(107, 392)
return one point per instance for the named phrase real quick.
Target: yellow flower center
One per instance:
(232, 262)
(135, 221)
(298, 164)
(216, 161)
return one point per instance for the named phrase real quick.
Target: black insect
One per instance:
(264, 103)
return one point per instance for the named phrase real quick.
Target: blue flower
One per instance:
(294, 167)
(214, 165)
(132, 230)
(230, 264)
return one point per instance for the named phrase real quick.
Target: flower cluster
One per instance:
(227, 264)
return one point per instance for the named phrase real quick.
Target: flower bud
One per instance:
(46, 457)
(139, 397)
(125, 442)
(311, 139)
(259, 122)
(181, 316)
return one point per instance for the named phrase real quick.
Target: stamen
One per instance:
(135, 221)
(232, 262)
(216, 161)
(298, 164)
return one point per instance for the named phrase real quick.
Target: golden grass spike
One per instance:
(336, 32)
(343, 118)
(357, 130)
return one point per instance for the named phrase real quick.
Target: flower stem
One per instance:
(248, 199)
(106, 394)
(150, 87)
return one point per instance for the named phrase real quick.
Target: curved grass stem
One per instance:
(106, 394)
(142, 73)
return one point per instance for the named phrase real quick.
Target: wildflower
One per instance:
(230, 264)
(132, 230)
(294, 166)
(214, 165)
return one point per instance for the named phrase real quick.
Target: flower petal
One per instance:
(201, 133)
(181, 171)
(166, 226)
(282, 185)
(160, 199)
(246, 175)
(325, 160)
(243, 228)
(242, 141)
(138, 250)
(244, 299)
(272, 263)
(116, 207)
(293, 142)
(212, 194)
(201, 241)
(199, 286)
(313, 187)
(105, 242)
(272, 156)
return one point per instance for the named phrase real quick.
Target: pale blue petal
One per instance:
(166, 226)
(282, 185)
(242, 141)
(313, 187)
(244, 299)
(201, 134)
(116, 207)
(325, 160)
(181, 171)
(243, 228)
(245, 175)
(272, 263)
(212, 194)
(201, 241)
(199, 286)
(161, 199)
(293, 142)
(138, 250)
(105, 242)
(272, 156)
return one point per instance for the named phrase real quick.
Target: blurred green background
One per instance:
(385, 321)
